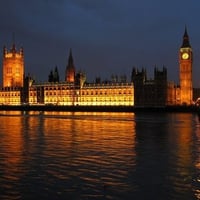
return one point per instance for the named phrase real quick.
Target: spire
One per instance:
(13, 48)
(13, 38)
(56, 75)
(70, 69)
(186, 42)
(70, 60)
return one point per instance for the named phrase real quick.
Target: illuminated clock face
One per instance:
(185, 56)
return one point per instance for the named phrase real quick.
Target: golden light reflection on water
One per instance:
(99, 147)
(186, 151)
(197, 161)
(11, 143)
(86, 142)
(183, 137)
(96, 131)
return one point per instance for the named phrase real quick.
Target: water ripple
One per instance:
(63, 155)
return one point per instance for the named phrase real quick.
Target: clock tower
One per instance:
(185, 71)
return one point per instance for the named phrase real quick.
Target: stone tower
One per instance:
(139, 79)
(70, 69)
(13, 67)
(185, 71)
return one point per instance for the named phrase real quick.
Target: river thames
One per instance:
(99, 155)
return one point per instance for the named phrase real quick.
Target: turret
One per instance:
(13, 67)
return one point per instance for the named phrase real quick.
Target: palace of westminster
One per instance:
(18, 89)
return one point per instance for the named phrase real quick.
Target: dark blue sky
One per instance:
(106, 36)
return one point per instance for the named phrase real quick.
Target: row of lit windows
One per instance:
(107, 85)
(55, 100)
(88, 99)
(58, 93)
(10, 100)
(9, 94)
(58, 88)
(88, 93)
(72, 87)
(106, 92)
(106, 99)
(83, 93)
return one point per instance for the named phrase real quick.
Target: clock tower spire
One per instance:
(185, 70)
(186, 42)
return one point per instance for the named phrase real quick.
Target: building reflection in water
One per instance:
(197, 155)
(11, 150)
(186, 151)
(181, 154)
(95, 149)
(71, 152)
(151, 150)
(81, 154)
(164, 149)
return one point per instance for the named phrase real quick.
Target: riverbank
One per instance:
(190, 109)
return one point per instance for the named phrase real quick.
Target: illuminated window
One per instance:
(9, 70)
(17, 70)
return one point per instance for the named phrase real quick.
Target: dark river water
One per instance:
(64, 155)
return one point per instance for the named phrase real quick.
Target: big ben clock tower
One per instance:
(185, 71)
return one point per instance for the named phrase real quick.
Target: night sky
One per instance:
(106, 36)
